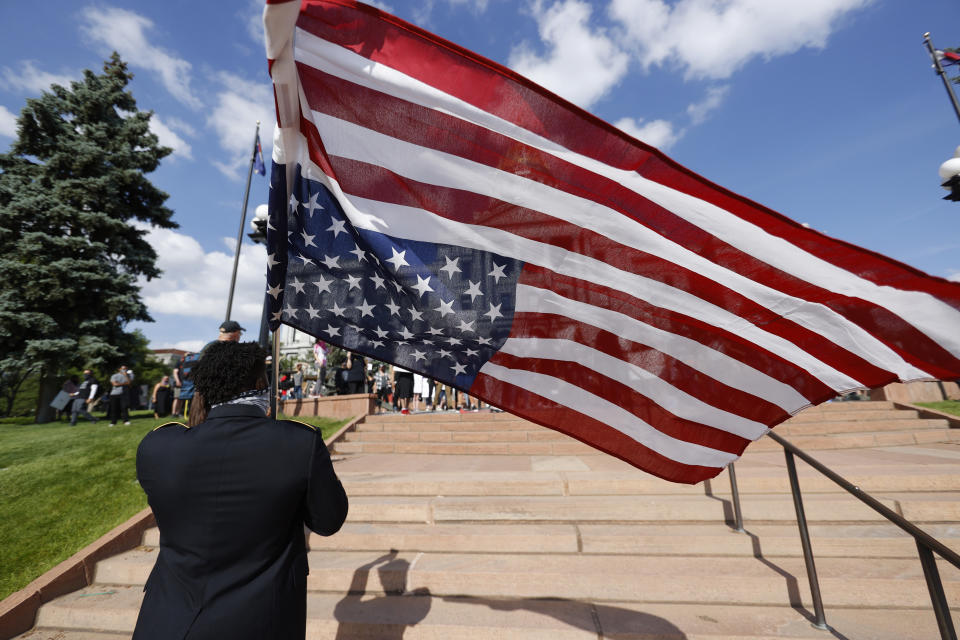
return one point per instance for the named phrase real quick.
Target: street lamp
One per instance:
(950, 174)
(259, 224)
(949, 170)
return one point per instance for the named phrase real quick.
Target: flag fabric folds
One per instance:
(948, 58)
(433, 209)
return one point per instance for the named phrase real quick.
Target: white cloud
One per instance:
(8, 123)
(190, 345)
(955, 276)
(252, 15)
(711, 39)
(31, 79)
(383, 6)
(656, 133)
(477, 6)
(663, 134)
(239, 105)
(700, 111)
(581, 64)
(195, 282)
(168, 138)
(125, 32)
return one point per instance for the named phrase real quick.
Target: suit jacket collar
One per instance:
(235, 411)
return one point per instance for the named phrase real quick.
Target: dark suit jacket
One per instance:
(231, 496)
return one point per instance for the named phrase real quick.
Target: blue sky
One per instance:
(827, 111)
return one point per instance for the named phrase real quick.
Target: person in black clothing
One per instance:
(356, 373)
(162, 397)
(231, 494)
(84, 398)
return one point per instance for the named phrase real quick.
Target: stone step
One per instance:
(443, 416)
(813, 415)
(441, 425)
(862, 440)
(422, 617)
(494, 432)
(861, 405)
(760, 509)
(569, 447)
(871, 479)
(859, 426)
(710, 539)
(542, 483)
(932, 507)
(843, 581)
(517, 435)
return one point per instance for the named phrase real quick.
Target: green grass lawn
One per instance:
(947, 406)
(62, 487)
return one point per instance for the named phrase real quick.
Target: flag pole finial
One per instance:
(940, 72)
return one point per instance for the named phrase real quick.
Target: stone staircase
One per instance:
(836, 425)
(483, 526)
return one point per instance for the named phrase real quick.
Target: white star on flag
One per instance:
(323, 285)
(451, 266)
(397, 259)
(337, 227)
(497, 272)
(422, 285)
(473, 291)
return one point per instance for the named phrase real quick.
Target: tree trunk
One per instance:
(49, 387)
(12, 381)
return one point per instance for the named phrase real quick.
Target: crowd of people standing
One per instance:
(397, 389)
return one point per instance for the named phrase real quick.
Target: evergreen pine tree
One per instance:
(72, 188)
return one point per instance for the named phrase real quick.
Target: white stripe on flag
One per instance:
(349, 140)
(932, 316)
(709, 361)
(674, 400)
(573, 397)
(416, 224)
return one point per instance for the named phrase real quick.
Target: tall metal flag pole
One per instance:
(942, 73)
(243, 221)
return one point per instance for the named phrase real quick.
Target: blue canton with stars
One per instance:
(441, 310)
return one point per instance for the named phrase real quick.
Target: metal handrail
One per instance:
(926, 544)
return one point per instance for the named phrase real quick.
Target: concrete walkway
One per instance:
(514, 531)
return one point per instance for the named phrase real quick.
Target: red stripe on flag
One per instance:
(498, 90)
(376, 183)
(721, 340)
(681, 376)
(431, 129)
(586, 429)
(629, 400)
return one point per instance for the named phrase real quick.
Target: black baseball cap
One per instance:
(230, 326)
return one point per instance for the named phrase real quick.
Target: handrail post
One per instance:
(935, 587)
(737, 515)
(821, 620)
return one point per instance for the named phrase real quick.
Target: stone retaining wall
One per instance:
(360, 404)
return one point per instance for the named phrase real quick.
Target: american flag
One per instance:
(433, 209)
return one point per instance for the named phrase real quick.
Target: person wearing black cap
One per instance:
(230, 331)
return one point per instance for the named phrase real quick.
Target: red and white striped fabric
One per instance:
(658, 316)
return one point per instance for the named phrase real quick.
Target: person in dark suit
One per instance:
(231, 494)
